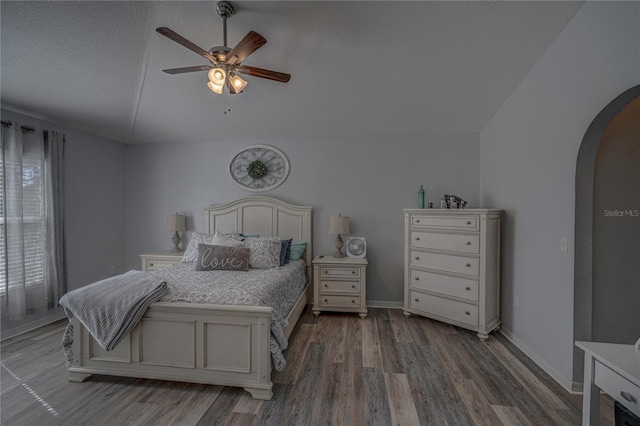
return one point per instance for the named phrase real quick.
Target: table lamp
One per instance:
(339, 225)
(176, 222)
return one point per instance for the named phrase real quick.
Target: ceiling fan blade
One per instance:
(249, 44)
(262, 73)
(188, 69)
(186, 43)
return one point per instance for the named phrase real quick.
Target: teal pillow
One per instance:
(297, 250)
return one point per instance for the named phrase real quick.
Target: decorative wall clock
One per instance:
(259, 168)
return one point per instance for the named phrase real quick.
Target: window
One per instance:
(33, 222)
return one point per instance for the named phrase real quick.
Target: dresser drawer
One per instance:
(444, 262)
(336, 286)
(464, 288)
(339, 301)
(454, 242)
(154, 265)
(625, 392)
(451, 309)
(469, 222)
(345, 272)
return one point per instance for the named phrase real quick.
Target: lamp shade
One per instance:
(176, 222)
(339, 225)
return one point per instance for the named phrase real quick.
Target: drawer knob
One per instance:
(628, 397)
(353, 301)
(353, 272)
(417, 299)
(417, 238)
(326, 285)
(353, 286)
(417, 278)
(468, 243)
(468, 288)
(417, 257)
(150, 263)
(325, 300)
(467, 313)
(468, 265)
(417, 220)
(468, 222)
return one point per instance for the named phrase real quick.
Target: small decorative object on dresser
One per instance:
(159, 260)
(340, 285)
(452, 267)
(176, 222)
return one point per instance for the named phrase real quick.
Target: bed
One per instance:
(225, 345)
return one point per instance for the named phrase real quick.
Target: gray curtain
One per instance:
(32, 265)
(56, 271)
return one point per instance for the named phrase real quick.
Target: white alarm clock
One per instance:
(356, 247)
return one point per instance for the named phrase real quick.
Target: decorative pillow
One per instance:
(235, 236)
(212, 257)
(219, 239)
(285, 251)
(297, 250)
(264, 252)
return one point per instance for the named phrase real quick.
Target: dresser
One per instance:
(159, 260)
(340, 284)
(452, 266)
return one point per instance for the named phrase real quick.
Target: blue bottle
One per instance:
(421, 198)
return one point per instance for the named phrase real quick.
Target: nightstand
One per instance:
(340, 285)
(159, 259)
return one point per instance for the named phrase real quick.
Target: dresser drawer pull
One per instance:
(353, 272)
(468, 265)
(417, 238)
(628, 397)
(353, 286)
(416, 299)
(353, 301)
(326, 285)
(468, 222)
(417, 278)
(468, 243)
(468, 288)
(467, 313)
(417, 257)
(417, 220)
(150, 263)
(326, 301)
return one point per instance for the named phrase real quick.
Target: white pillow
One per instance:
(264, 252)
(218, 239)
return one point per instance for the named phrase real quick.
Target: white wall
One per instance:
(94, 207)
(370, 179)
(528, 157)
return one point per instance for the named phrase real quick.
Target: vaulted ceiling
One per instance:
(358, 68)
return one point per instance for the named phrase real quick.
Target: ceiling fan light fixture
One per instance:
(217, 76)
(215, 88)
(238, 83)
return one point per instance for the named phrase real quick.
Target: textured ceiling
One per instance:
(358, 68)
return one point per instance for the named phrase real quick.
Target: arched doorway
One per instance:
(584, 224)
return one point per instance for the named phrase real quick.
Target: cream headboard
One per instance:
(265, 216)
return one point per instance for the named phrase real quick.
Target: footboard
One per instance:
(199, 343)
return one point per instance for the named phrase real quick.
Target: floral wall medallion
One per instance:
(259, 168)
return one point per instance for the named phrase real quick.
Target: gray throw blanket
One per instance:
(109, 309)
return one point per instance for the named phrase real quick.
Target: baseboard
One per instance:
(567, 384)
(32, 326)
(384, 304)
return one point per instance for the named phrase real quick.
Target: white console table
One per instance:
(613, 368)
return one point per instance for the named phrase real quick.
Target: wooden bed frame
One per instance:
(205, 343)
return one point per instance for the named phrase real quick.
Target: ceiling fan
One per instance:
(226, 63)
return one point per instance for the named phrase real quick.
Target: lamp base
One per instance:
(339, 245)
(176, 243)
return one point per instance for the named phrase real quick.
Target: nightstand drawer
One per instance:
(625, 392)
(353, 272)
(451, 309)
(443, 262)
(154, 265)
(446, 222)
(339, 301)
(464, 288)
(454, 242)
(331, 286)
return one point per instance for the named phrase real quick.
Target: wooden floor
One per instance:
(384, 370)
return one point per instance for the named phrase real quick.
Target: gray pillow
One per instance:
(211, 258)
